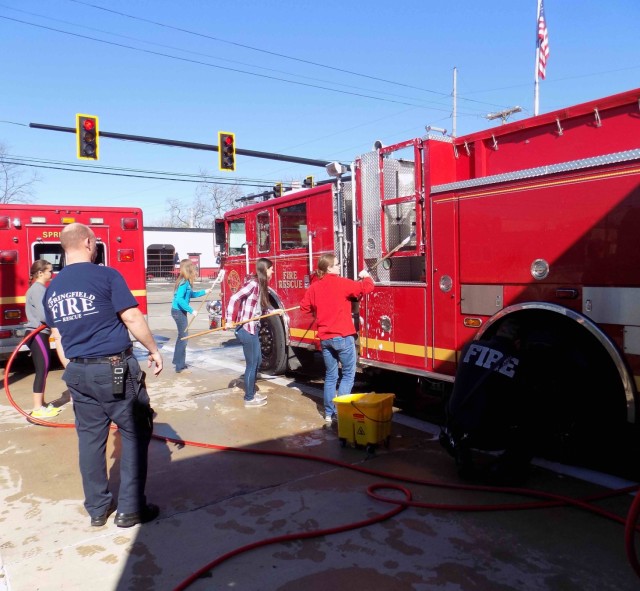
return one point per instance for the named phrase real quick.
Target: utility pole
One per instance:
(455, 100)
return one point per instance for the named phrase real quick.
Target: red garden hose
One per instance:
(547, 499)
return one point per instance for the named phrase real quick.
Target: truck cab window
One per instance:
(293, 227)
(264, 232)
(52, 252)
(237, 237)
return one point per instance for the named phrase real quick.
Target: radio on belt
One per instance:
(118, 375)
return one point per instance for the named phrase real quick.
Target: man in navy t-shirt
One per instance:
(91, 311)
(87, 317)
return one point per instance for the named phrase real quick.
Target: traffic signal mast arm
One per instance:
(193, 146)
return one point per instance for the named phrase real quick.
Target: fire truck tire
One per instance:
(273, 346)
(599, 409)
(300, 359)
(577, 407)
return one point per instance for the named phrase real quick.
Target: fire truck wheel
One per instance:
(300, 359)
(272, 343)
(572, 392)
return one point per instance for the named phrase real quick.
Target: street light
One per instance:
(503, 114)
(335, 169)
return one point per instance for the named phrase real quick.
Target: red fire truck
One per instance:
(536, 220)
(32, 232)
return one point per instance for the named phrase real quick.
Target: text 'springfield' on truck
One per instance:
(32, 232)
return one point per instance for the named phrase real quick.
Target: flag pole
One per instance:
(536, 89)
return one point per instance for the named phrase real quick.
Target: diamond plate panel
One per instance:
(371, 230)
(400, 222)
(347, 204)
(399, 178)
(399, 218)
(528, 173)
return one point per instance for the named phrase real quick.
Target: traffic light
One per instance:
(87, 135)
(227, 151)
(278, 190)
(309, 182)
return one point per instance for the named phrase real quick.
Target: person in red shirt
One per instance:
(329, 300)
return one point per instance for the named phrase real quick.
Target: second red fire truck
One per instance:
(32, 232)
(536, 221)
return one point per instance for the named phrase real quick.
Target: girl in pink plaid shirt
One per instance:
(251, 301)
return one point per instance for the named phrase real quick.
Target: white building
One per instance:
(166, 247)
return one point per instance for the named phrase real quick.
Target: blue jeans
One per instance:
(180, 352)
(253, 357)
(342, 349)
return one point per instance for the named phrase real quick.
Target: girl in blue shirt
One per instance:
(182, 294)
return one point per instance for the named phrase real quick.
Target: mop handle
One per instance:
(392, 251)
(213, 284)
(280, 311)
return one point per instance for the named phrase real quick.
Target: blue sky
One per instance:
(392, 64)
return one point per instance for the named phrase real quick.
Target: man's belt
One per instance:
(109, 359)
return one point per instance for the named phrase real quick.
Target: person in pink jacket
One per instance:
(251, 301)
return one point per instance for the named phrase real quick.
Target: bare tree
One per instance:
(16, 184)
(210, 202)
(184, 214)
(218, 198)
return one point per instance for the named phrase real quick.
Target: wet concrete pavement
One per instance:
(213, 501)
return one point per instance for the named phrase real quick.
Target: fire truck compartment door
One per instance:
(395, 326)
(483, 300)
(612, 305)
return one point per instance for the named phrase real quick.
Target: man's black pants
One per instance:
(95, 408)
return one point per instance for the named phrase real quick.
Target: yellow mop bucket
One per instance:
(364, 419)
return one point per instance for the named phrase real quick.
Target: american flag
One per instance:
(543, 42)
